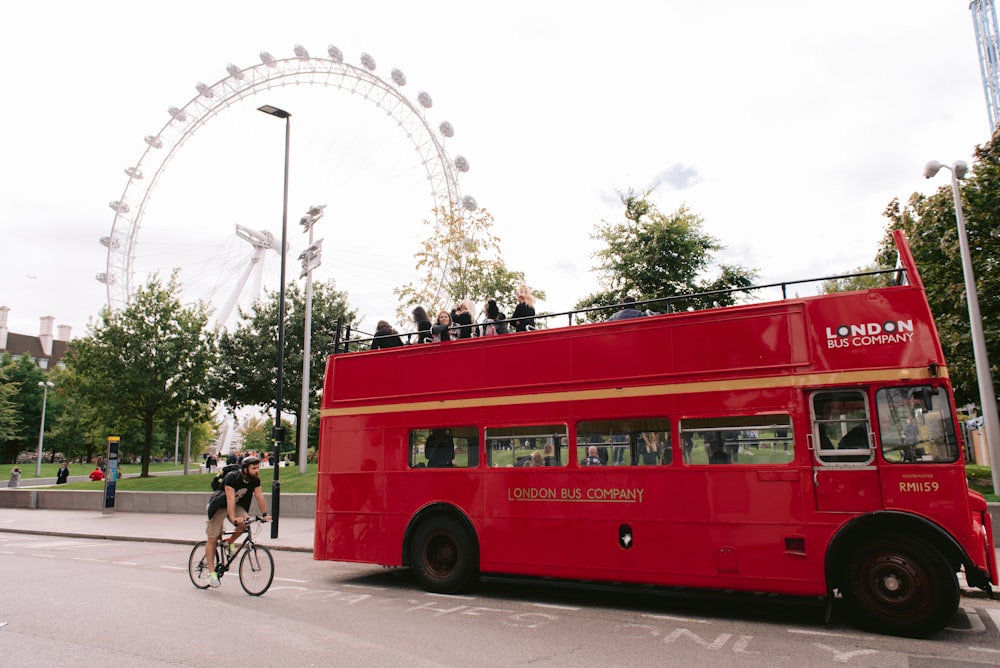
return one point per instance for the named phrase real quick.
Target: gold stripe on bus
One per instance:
(759, 383)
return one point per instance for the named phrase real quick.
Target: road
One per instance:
(87, 602)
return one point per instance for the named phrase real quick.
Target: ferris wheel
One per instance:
(410, 116)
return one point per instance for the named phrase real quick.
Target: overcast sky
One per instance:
(788, 126)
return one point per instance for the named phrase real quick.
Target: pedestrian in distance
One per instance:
(62, 477)
(97, 474)
(15, 477)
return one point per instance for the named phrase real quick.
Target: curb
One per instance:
(143, 539)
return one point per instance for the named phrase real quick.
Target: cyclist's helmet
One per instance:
(247, 461)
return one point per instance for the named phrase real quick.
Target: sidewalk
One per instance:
(294, 533)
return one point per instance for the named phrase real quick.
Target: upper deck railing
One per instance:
(357, 340)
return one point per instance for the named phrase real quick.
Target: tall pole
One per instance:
(309, 262)
(278, 433)
(987, 396)
(41, 430)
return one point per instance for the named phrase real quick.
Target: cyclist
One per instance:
(239, 486)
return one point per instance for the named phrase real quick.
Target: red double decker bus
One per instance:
(804, 446)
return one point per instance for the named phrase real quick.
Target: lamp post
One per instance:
(45, 385)
(310, 260)
(987, 397)
(278, 433)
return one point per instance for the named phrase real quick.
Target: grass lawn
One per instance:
(164, 478)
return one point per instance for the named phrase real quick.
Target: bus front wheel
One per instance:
(902, 585)
(443, 555)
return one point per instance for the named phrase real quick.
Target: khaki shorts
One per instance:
(215, 525)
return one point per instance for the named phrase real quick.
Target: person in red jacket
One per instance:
(97, 474)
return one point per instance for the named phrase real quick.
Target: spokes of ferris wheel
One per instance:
(242, 83)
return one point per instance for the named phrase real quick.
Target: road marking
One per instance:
(995, 614)
(985, 649)
(677, 619)
(976, 624)
(87, 559)
(125, 563)
(5, 552)
(45, 556)
(352, 586)
(829, 634)
(555, 607)
(290, 580)
(173, 568)
(450, 597)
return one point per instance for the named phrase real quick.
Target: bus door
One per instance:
(845, 476)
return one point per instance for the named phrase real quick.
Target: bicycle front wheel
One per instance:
(256, 570)
(197, 569)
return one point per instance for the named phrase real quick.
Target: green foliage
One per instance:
(652, 255)
(149, 363)
(20, 377)
(855, 282)
(292, 482)
(930, 227)
(459, 260)
(248, 367)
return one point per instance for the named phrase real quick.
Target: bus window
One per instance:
(628, 442)
(449, 447)
(840, 427)
(744, 439)
(915, 425)
(514, 446)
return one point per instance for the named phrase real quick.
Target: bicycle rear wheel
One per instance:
(256, 570)
(197, 569)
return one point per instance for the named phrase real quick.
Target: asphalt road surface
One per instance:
(86, 602)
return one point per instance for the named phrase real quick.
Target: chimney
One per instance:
(64, 333)
(3, 327)
(45, 334)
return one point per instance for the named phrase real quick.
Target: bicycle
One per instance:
(256, 564)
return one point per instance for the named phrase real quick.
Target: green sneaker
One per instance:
(213, 580)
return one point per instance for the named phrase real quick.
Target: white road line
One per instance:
(829, 634)
(995, 614)
(350, 586)
(555, 607)
(87, 559)
(173, 568)
(985, 649)
(450, 596)
(45, 556)
(125, 563)
(6, 552)
(290, 580)
(670, 618)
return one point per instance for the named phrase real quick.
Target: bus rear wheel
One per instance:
(903, 586)
(443, 556)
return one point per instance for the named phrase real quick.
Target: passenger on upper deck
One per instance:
(441, 331)
(536, 459)
(463, 316)
(548, 455)
(630, 311)
(495, 322)
(423, 324)
(525, 309)
(385, 336)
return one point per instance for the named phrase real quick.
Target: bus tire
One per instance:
(901, 585)
(443, 556)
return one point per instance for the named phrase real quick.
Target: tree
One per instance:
(653, 255)
(21, 376)
(930, 227)
(149, 362)
(459, 260)
(248, 364)
(10, 420)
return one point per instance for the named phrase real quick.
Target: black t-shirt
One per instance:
(243, 488)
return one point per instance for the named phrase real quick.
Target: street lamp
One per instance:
(310, 260)
(278, 433)
(987, 398)
(45, 385)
